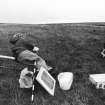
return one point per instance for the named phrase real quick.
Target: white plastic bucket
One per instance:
(65, 80)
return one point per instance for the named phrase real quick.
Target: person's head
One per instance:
(17, 36)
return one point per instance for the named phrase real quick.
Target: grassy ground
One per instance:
(65, 47)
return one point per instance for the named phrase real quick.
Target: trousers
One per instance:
(30, 56)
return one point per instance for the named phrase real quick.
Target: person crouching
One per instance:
(24, 51)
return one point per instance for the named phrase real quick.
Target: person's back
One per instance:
(20, 44)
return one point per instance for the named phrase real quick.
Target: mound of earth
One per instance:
(66, 47)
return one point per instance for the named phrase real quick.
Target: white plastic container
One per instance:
(98, 80)
(65, 80)
(25, 81)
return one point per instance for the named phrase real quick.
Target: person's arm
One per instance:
(31, 46)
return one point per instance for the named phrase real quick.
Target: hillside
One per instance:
(65, 47)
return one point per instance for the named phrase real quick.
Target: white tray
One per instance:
(46, 80)
(97, 78)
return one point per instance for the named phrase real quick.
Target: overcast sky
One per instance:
(51, 11)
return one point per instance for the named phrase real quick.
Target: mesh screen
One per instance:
(8, 64)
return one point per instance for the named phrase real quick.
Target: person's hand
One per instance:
(35, 49)
(39, 62)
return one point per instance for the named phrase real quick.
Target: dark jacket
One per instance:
(20, 45)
